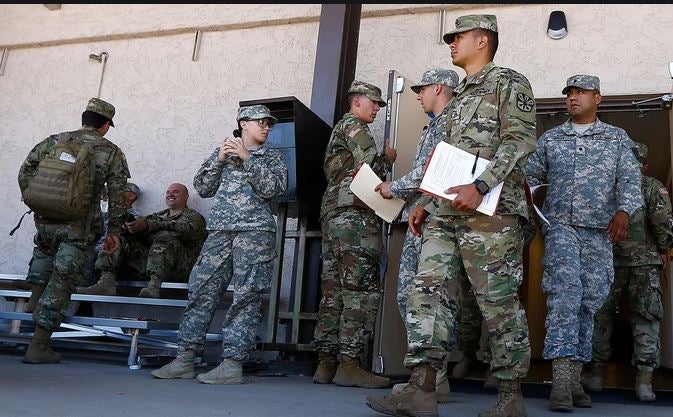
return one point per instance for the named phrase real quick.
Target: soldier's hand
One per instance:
(416, 219)
(222, 154)
(390, 153)
(468, 198)
(136, 226)
(618, 227)
(384, 189)
(111, 243)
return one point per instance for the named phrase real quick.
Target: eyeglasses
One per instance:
(264, 123)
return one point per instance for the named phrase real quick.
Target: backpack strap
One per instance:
(19, 224)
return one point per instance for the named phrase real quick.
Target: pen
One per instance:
(474, 167)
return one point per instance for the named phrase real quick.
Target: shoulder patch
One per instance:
(524, 102)
(663, 191)
(354, 132)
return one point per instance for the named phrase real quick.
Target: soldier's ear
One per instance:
(597, 97)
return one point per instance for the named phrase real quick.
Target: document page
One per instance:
(450, 166)
(363, 187)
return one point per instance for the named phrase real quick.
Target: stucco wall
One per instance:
(172, 111)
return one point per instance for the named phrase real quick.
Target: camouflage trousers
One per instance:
(58, 261)
(577, 276)
(159, 255)
(244, 258)
(488, 252)
(350, 282)
(641, 285)
(469, 317)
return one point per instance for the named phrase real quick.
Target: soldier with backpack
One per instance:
(61, 181)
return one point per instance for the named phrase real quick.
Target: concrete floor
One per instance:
(91, 387)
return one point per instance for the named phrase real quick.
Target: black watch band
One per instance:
(482, 187)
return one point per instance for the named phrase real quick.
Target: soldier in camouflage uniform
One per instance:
(131, 194)
(638, 262)
(435, 91)
(351, 246)
(163, 245)
(493, 113)
(594, 187)
(62, 247)
(243, 175)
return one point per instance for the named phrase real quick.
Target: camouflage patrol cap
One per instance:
(641, 152)
(471, 22)
(369, 90)
(585, 82)
(255, 112)
(443, 76)
(133, 188)
(103, 108)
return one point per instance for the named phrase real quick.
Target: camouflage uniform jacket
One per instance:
(242, 189)
(493, 112)
(407, 186)
(650, 228)
(110, 167)
(189, 226)
(591, 176)
(350, 145)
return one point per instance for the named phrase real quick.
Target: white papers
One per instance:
(450, 166)
(363, 187)
(533, 189)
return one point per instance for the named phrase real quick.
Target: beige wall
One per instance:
(172, 111)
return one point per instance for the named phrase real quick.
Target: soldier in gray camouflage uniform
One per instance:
(62, 247)
(243, 175)
(493, 113)
(163, 245)
(638, 261)
(435, 91)
(594, 187)
(351, 246)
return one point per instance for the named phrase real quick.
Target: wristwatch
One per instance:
(482, 187)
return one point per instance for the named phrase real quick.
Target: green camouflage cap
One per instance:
(443, 76)
(103, 108)
(370, 91)
(255, 112)
(471, 22)
(133, 188)
(585, 82)
(641, 152)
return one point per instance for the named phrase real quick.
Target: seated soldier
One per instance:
(163, 245)
(131, 194)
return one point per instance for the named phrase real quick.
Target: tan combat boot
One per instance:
(229, 372)
(181, 367)
(561, 398)
(39, 350)
(417, 399)
(467, 362)
(580, 398)
(593, 380)
(36, 293)
(153, 289)
(510, 401)
(327, 366)
(106, 285)
(644, 384)
(350, 374)
(442, 387)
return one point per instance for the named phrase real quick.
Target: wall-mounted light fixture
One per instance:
(557, 27)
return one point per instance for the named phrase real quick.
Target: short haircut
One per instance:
(351, 97)
(492, 40)
(93, 119)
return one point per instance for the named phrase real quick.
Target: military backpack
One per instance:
(63, 185)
